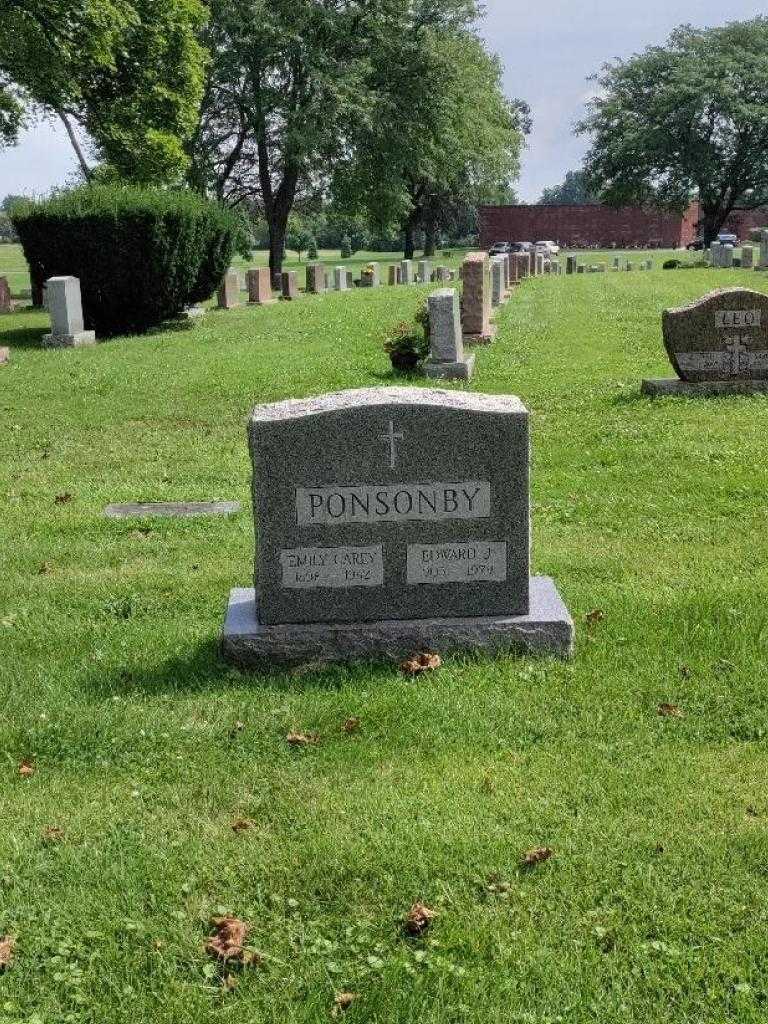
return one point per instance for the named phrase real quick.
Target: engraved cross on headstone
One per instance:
(737, 349)
(390, 437)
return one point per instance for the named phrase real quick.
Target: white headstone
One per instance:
(62, 300)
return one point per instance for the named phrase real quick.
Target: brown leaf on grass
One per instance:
(343, 1001)
(7, 946)
(44, 569)
(62, 499)
(352, 725)
(228, 941)
(242, 824)
(52, 834)
(418, 919)
(26, 769)
(596, 615)
(537, 856)
(426, 661)
(301, 739)
(670, 711)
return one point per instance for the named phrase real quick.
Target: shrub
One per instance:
(141, 255)
(671, 264)
(408, 345)
(346, 247)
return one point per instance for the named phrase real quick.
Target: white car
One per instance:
(548, 248)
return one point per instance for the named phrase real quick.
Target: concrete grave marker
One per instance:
(5, 356)
(370, 276)
(228, 293)
(718, 345)
(171, 509)
(476, 299)
(259, 285)
(340, 279)
(63, 302)
(394, 275)
(406, 272)
(447, 359)
(289, 285)
(570, 264)
(747, 257)
(315, 280)
(497, 281)
(399, 521)
(6, 304)
(425, 271)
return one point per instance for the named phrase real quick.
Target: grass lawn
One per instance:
(654, 905)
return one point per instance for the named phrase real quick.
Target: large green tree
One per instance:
(573, 191)
(685, 120)
(285, 78)
(128, 73)
(439, 134)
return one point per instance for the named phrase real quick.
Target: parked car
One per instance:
(548, 248)
(521, 246)
(500, 249)
(724, 238)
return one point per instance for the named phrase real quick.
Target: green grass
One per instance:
(653, 907)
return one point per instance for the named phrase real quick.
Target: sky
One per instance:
(548, 48)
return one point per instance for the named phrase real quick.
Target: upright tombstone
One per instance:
(228, 293)
(717, 346)
(616, 262)
(747, 257)
(497, 281)
(476, 299)
(406, 271)
(523, 265)
(6, 304)
(5, 355)
(539, 264)
(259, 285)
(507, 271)
(394, 275)
(442, 275)
(289, 285)
(630, 265)
(446, 347)
(555, 266)
(727, 256)
(340, 279)
(370, 276)
(399, 523)
(716, 254)
(316, 281)
(425, 271)
(350, 279)
(64, 304)
(764, 249)
(581, 268)
(570, 264)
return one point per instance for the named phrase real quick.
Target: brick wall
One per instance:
(585, 226)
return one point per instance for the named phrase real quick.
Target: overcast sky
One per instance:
(549, 48)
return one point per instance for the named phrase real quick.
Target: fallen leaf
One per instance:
(62, 499)
(352, 725)
(45, 568)
(236, 728)
(229, 939)
(595, 616)
(242, 824)
(53, 834)
(752, 812)
(670, 711)
(343, 1001)
(418, 919)
(7, 946)
(26, 769)
(537, 856)
(427, 661)
(301, 739)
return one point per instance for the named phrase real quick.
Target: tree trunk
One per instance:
(712, 220)
(87, 173)
(277, 232)
(409, 233)
(430, 238)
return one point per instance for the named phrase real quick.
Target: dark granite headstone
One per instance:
(400, 507)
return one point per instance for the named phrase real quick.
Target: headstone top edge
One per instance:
(296, 408)
(717, 293)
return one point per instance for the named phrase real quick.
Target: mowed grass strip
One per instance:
(146, 749)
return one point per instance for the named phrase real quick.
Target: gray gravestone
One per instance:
(315, 281)
(5, 356)
(716, 254)
(425, 271)
(394, 275)
(570, 264)
(497, 280)
(399, 521)
(171, 509)
(289, 285)
(228, 294)
(370, 276)
(447, 359)
(747, 257)
(64, 305)
(406, 271)
(764, 249)
(727, 256)
(340, 279)
(716, 345)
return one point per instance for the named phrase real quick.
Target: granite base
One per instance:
(69, 340)
(481, 339)
(702, 389)
(450, 371)
(547, 629)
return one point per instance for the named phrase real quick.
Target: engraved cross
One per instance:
(390, 437)
(737, 349)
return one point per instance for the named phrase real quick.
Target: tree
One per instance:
(129, 73)
(572, 192)
(439, 132)
(284, 79)
(687, 118)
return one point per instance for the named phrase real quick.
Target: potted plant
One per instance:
(408, 345)
(366, 276)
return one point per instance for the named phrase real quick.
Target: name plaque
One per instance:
(392, 503)
(457, 562)
(726, 318)
(305, 568)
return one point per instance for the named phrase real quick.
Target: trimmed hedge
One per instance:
(141, 255)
